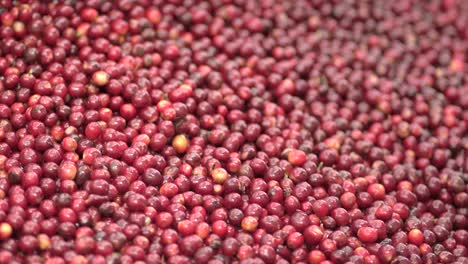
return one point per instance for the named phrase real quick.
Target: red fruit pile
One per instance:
(233, 131)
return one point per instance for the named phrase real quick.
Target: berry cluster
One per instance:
(234, 131)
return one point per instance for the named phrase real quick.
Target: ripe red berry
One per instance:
(153, 15)
(316, 257)
(367, 234)
(377, 191)
(296, 157)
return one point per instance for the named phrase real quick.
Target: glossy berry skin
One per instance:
(367, 234)
(415, 236)
(296, 157)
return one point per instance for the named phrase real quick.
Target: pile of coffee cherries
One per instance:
(234, 131)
